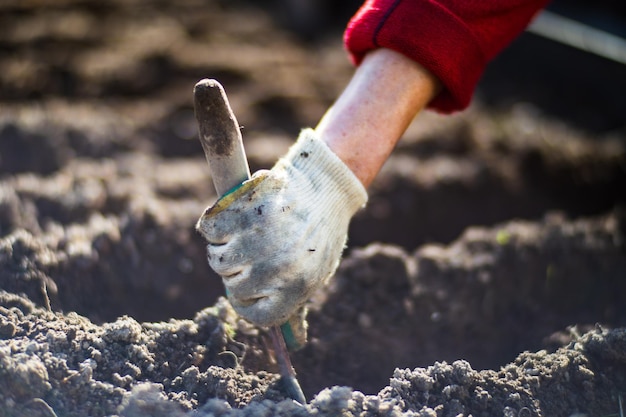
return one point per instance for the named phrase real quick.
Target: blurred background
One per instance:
(84, 49)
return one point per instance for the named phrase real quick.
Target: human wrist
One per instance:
(367, 120)
(343, 191)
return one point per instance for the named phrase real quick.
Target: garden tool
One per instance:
(223, 146)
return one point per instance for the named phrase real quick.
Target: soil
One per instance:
(486, 276)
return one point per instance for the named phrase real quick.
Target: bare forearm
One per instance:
(372, 113)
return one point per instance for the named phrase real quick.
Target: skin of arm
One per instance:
(366, 122)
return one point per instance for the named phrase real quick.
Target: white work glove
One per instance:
(279, 236)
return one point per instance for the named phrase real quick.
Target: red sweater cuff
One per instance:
(454, 50)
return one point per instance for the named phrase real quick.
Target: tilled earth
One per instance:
(487, 275)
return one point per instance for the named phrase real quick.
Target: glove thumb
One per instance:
(295, 330)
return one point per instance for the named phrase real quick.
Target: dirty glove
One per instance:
(280, 235)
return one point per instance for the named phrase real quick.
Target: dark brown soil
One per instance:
(486, 276)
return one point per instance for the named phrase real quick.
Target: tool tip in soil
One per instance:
(292, 388)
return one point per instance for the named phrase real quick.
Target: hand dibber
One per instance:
(223, 146)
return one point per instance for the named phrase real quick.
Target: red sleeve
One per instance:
(454, 39)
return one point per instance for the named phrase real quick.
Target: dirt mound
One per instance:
(66, 363)
(486, 297)
(488, 234)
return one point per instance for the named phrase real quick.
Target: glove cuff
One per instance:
(311, 156)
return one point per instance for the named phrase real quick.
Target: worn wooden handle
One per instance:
(220, 136)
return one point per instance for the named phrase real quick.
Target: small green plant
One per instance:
(503, 237)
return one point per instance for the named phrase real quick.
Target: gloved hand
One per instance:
(280, 235)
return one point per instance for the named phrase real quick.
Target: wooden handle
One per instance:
(220, 136)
